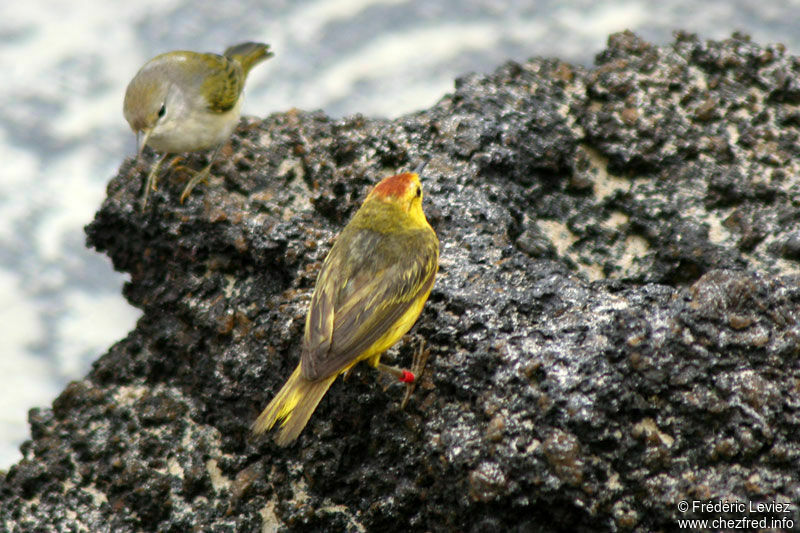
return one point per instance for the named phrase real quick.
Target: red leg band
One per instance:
(407, 377)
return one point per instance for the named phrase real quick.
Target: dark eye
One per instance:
(419, 191)
(162, 111)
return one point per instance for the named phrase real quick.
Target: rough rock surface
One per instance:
(614, 328)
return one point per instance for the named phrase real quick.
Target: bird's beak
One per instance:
(421, 167)
(142, 136)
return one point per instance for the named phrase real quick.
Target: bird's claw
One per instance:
(417, 367)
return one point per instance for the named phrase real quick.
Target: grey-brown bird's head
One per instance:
(150, 98)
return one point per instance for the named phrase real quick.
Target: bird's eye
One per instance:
(162, 111)
(419, 191)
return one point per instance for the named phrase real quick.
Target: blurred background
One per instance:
(65, 67)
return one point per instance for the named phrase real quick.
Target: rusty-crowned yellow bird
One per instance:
(369, 292)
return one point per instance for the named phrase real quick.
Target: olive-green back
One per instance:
(230, 72)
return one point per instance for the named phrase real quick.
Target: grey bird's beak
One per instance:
(142, 136)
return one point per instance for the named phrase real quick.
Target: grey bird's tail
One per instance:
(249, 54)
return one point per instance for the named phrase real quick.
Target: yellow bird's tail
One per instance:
(294, 403)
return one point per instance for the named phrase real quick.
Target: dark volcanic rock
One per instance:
(614, 328)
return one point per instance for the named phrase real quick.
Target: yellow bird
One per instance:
(368, 294)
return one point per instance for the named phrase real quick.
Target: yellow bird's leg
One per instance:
(152, 179)
(199, 176)
(417, 366)
(403, 375)
(409, 377)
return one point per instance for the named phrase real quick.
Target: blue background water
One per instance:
(62, 135)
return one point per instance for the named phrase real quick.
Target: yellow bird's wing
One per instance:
(223, 87)
(346, 320)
